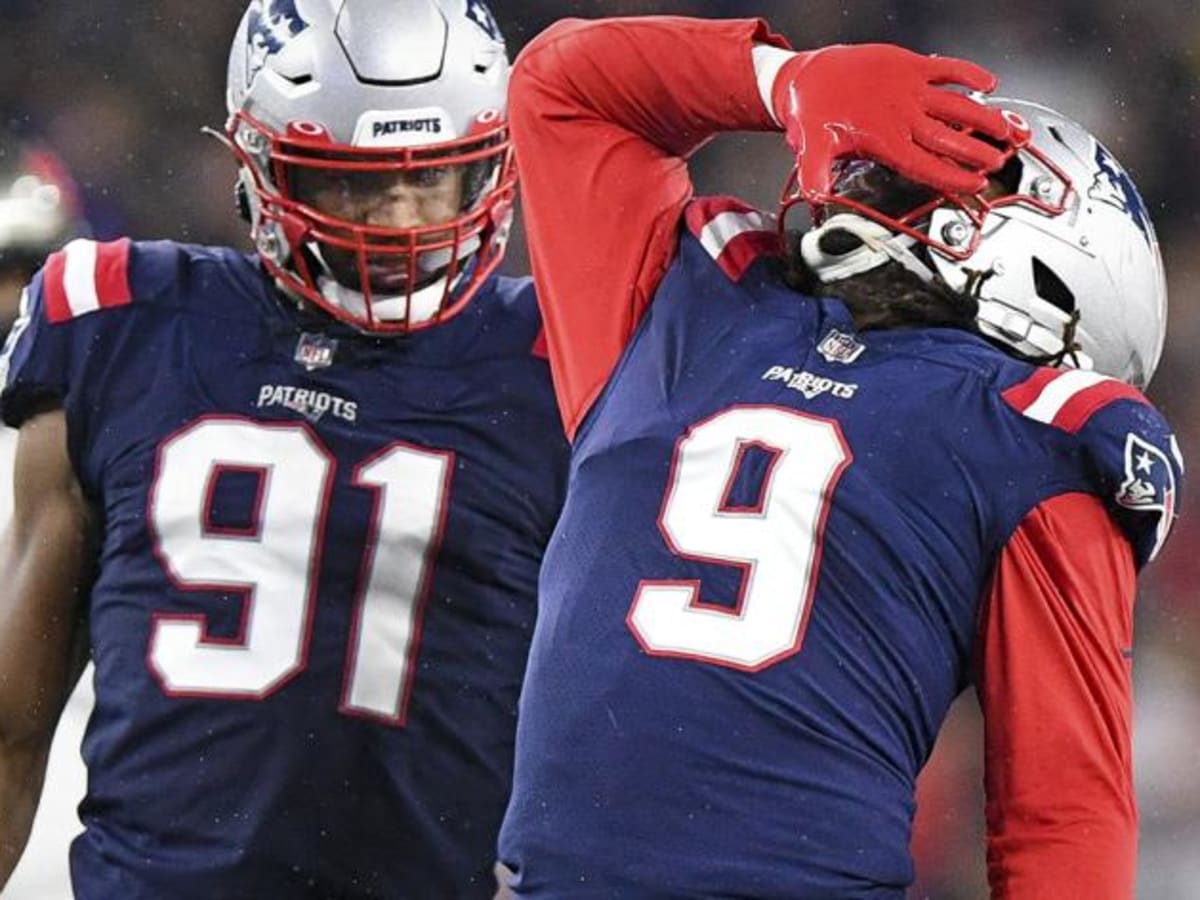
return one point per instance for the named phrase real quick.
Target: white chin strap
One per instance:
(421, 305)
(1016, 328)
(877, 246)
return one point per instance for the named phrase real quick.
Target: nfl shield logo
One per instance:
(315, 351)
(840, 348)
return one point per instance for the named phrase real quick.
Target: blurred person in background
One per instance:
(294, 504)
(40, 209)
(850, 479)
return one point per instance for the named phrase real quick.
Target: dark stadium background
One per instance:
(121, 90)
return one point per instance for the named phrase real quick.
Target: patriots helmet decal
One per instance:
(478, 12)
(271, 24)
(1113, 186)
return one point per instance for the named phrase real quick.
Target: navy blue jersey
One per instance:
(316, 579)
(764, 590)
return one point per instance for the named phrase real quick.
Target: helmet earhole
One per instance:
(1051, 288)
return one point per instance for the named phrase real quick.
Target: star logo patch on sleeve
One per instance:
(1149, 485)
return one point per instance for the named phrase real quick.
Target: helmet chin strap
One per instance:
(877, 246)
(414, 307)
(419, 306)
(1016, 328)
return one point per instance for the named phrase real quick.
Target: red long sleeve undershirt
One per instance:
(604, 115)
(1055, 688)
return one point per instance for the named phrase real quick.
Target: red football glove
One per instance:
(882, 102)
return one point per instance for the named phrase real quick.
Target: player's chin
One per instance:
(384, 278)
(387, 275)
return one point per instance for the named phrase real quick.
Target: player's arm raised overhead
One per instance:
(605, 113)
(45, 556)
(603, 126)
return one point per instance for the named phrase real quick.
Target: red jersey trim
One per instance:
(86, 276)
(733, 233)
(112, 273)
(1067, 398)
(541, 346)
(54, 289)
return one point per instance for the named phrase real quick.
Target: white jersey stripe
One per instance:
(722, 229)
(79, 277)
(1057, 393)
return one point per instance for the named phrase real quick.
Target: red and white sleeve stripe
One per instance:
(732, 233)
(86, 276)
(1067, 398)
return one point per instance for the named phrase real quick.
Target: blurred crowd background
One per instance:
(122, 89)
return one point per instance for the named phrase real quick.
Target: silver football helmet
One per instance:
(1059, 250)
(356, 92)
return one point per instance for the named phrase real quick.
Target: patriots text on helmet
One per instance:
(399, 126)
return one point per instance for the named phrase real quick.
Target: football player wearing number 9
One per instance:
(301, 499)
(815, 495)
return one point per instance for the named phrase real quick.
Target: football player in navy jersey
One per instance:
(293, 505)
(816, 493)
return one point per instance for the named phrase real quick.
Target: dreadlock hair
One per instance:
(889, 296)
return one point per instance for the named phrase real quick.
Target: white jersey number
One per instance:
(776, 541)
(274, 564)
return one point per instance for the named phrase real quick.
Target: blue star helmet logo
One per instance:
(1114, 187)
(272, 23)
(478, 13)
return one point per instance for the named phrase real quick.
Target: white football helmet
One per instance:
(1059, 251)
(352, 89)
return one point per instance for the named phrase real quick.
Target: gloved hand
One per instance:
(882, 102)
